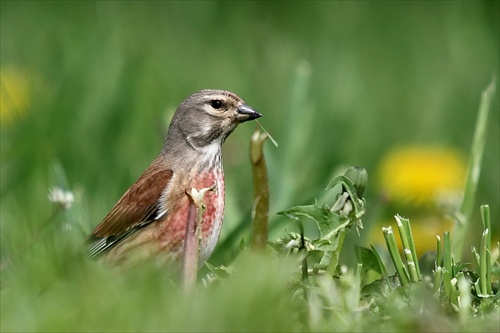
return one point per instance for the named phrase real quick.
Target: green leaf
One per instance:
(329, 223)
(381, 264)
(368, 258)
(331, 228)
(377, 287)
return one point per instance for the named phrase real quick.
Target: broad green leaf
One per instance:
(368, 258)
(329, 224)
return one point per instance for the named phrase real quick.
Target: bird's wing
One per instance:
(138, 207)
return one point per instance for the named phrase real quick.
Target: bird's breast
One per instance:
(214, 212)
(173, 227)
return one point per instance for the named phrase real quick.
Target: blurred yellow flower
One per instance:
(420, 181)
(15, 94)
(422, 175)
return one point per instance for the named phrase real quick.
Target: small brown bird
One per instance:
(149, 220)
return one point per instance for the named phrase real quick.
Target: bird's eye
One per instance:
(216, 104)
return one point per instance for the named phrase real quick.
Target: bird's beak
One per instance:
(246, 113)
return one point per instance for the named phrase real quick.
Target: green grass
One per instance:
(338, 83)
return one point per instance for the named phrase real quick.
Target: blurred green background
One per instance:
(88, 89)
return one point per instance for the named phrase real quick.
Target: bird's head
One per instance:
(208, 116)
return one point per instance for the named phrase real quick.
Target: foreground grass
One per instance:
(48, 288)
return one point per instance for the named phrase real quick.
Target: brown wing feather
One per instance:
(136, 204)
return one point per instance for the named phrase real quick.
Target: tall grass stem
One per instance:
(474, 170)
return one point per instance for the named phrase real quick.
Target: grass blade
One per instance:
(394, 253)
(474, 171)
(408, 247)
(447, 265)
(485, 215)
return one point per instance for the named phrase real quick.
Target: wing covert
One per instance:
(135, 209)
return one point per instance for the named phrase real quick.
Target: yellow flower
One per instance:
(421, 175)
(417, 180)
(15, 94)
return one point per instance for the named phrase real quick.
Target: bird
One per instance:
(149, 220)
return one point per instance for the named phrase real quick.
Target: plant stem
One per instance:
(260, 191)
(192, 237)
(191, 245)
(335, 256)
